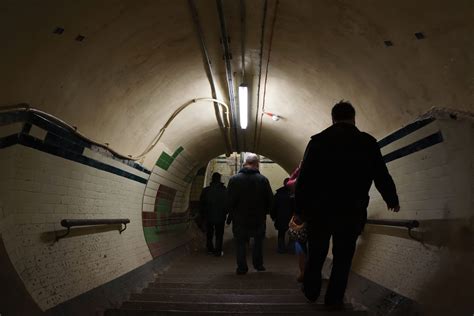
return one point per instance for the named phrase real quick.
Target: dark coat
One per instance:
(250, 197)
(282, 208)
(214, 203)
(338, 168)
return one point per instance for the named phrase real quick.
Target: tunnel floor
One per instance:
(202, 284)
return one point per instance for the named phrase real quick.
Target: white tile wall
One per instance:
(37, 191)
(435, 186)
(173, 178)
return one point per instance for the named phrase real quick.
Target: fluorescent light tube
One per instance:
(243, 106)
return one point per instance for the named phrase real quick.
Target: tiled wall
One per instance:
(435, 185)
(166, 216)
(49, 173)
(38, 189)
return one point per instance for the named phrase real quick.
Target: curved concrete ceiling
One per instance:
(140, 60)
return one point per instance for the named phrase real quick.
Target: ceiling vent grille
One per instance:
(419, 35)
(58, 30)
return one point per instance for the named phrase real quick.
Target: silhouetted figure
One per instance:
(250, 198)
(338, 168)
(214, 208)
(297, 224)
(281, 213)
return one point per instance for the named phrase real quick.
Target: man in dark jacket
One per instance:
(338, 168)
(214, 211)
(250, 197)
(281, 213)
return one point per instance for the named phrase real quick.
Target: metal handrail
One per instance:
(408, 223)
(68, 223)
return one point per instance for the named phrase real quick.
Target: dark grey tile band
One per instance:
(404, 131)
(8, 141)
(57, 134)
(62, 142)
(30, 141)
(421, 144)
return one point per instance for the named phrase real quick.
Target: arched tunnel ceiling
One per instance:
(140, 60)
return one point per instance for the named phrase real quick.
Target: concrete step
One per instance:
(220, 298)
(250, 280)
(225, 285)
(239, 308)
(120, 312)
(255, 292)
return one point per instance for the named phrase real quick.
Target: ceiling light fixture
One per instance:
(274, 117)
(243, 105)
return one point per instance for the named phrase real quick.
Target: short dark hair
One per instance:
(216, 177)
(342, 111)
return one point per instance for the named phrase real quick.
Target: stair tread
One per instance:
(223, 286)
(255, 292)
(228, 307)
(131, 312)
(222, 298)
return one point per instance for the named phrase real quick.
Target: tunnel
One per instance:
(112, 110)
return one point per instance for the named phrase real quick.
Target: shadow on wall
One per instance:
(51, 236)
(14, 298)
(452, 286)
(448, 290)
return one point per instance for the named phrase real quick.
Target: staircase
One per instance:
(200, 284)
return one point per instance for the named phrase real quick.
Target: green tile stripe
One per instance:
(164, 206)
(165, 161)
(151, 234)
(163, 202)
(177, 152)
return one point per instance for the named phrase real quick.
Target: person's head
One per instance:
(252, 161)
(216, 177)
(286, 181)
(343, 111)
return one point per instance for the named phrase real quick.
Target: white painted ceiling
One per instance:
(140, 60)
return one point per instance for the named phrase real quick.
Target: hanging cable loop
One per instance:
(153, 143)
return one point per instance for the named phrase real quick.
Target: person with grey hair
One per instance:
(250, 200)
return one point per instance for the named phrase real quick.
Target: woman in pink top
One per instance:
(296, 222)
(292, 181)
